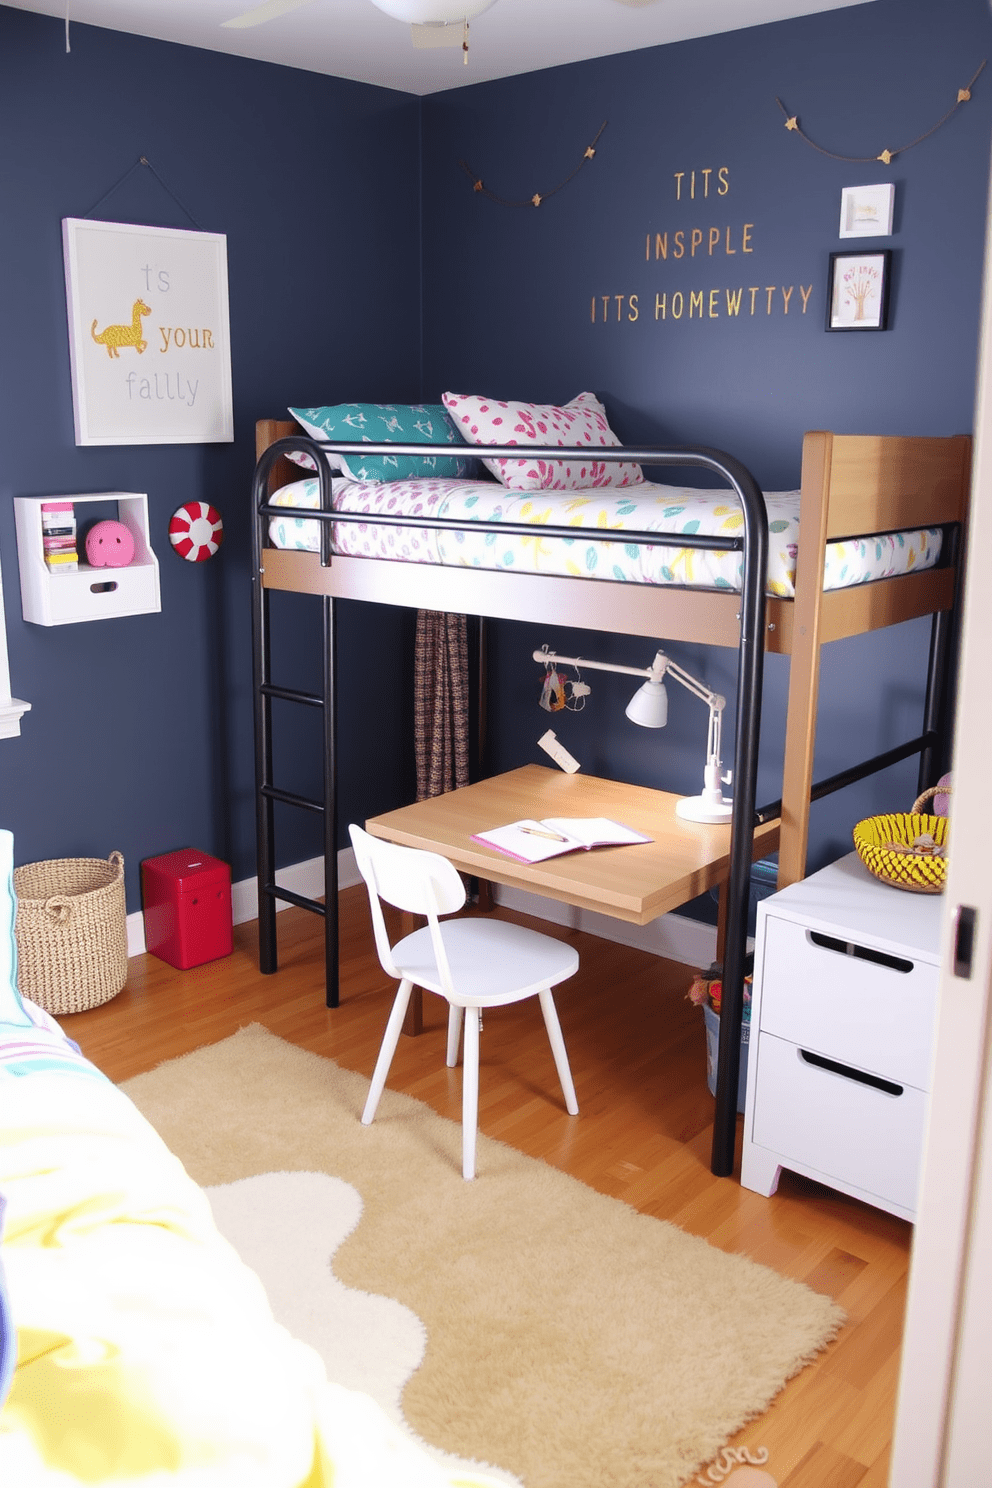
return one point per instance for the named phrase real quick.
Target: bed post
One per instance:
(262, 707)
(750, 670)
(938, 704)
(331, 973)
(485, 898)
(804, 666)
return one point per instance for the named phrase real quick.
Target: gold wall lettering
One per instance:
(611, 307)
(726, 240)
(707, 304)
(721, 188)
(741, 302)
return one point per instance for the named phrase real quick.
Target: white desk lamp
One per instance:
(649, 708)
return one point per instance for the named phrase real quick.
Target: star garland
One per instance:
(539, 196)
(886, 156)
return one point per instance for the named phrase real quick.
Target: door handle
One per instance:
(964, 940)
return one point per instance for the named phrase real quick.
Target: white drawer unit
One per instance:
(842, 1019)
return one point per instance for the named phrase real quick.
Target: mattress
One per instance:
(645, 508)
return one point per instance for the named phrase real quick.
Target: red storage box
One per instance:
(187, 907)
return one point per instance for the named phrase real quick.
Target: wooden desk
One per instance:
(635, 883)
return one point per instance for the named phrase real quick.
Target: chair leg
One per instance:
(470, 1091)
(454, 1034)
(390, 1039)
(558, 1050)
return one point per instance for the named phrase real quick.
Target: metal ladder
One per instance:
(267, 793)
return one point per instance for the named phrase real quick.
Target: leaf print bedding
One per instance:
(667, 510)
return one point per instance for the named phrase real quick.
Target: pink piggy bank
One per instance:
(109, 545)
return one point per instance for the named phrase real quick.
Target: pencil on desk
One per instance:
(535, 832)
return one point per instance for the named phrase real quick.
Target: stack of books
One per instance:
(58, 535)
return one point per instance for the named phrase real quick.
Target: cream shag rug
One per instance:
(286, 1227)
(571, 1339)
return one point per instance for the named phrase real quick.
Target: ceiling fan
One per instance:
(432, 22)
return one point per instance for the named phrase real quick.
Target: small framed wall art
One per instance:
(858, 291)
(149, 334)
(866, 211)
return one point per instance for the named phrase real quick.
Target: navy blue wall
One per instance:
(139, 735)
(508, 311)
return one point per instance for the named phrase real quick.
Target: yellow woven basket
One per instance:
(885, 845)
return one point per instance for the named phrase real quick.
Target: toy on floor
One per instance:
(707, 986)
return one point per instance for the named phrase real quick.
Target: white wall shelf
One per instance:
(89, 593)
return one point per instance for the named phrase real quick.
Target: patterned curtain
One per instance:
(441, 716)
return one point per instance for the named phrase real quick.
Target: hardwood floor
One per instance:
(637, 1051)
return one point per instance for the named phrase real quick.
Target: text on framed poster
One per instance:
(149, 334)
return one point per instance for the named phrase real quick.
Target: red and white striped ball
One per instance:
(196, 531)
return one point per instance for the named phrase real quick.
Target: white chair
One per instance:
(473, 963)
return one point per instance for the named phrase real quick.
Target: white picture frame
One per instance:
(149, 334)
(866, 211)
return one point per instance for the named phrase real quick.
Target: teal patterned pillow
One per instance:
(388, 423)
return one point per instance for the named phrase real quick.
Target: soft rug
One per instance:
(572, 1340)
(286, 1227)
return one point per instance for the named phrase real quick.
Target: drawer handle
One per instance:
(875, 1081)
(862, 953)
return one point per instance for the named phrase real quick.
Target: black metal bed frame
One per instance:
(746, 815)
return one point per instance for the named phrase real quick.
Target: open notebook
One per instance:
(533, 841)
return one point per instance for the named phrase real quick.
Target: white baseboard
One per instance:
(673, 936)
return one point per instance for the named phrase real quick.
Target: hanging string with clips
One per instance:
(539, 196)
(886, 156)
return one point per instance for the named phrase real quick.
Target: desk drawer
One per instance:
(831, 1122)
(844, 1003)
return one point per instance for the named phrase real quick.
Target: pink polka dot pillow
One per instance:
(581, 422)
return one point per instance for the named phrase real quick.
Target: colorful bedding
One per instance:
(645, 507)
(135, 1346)
(146, 1350)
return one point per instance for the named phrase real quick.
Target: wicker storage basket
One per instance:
(899, 865)
(71, 932)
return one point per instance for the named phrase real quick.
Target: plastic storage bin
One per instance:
(712, 1021)
(187, 908)
(763, 880)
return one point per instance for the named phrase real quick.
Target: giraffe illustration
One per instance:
(113, 336)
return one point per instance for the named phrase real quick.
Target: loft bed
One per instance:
(852, 485)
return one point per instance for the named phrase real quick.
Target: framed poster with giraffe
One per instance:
(149, 334)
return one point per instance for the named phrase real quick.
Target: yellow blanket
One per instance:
(147, 1352)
